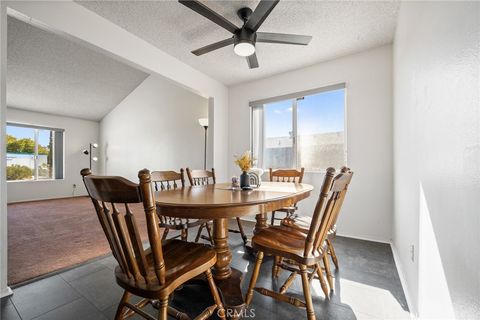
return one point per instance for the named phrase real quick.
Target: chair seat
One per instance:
(183, 261)
(286, 242)
(302, 223)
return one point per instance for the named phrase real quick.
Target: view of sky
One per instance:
(320, 113)
(21, 132)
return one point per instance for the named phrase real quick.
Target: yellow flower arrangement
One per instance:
(245, 161)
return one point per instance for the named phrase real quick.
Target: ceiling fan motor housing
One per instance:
(245, 35)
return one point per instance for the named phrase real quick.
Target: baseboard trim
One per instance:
(47, 199)
(341, 234)
(403, 281)
(252, 219)
(6, 292)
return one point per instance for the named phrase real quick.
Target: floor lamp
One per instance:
(204, 123)
(89, 153)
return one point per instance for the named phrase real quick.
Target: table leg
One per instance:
(261, 222)
(259, 225)
(227, 279)
(222, 268)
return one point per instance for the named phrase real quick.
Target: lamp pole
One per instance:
(205, 150)
(90, 156)
(92, 146)
(204, 123)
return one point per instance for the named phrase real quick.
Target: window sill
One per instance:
(42, 180)
(316, 171)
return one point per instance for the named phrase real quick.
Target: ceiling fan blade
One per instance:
(283, 38)
(252, 61)
(213, 46)
(208, 13)
(261, 12)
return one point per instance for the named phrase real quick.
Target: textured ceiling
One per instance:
(49, 73)
(338, 28)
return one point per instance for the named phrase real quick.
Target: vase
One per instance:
(244, 180)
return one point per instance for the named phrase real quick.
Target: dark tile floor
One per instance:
(367, 286)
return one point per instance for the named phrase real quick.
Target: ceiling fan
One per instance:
(245, 38)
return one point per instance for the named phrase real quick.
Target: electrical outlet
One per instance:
(412, 252)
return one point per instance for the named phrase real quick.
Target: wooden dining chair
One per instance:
(201, 177)
(152, 273)
(303, 222)
(169, 180)
(204, 177)
(286, 175)
(303, 250)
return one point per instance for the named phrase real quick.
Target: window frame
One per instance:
(295, 97)
(36, 128)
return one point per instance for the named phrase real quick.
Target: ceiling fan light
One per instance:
(244, 49)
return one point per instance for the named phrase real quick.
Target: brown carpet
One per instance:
(50, 235)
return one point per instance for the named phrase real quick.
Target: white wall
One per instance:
(85, 26)
(155, 127)
(437, 156)
(81, 24)
(367, 210)
(78, 134)
(4, 289)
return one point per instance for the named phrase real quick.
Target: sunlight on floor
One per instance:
(359, 297)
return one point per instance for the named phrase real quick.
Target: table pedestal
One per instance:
(259, 225)
(227, 279)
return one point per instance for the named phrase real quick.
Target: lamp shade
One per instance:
(203, 122)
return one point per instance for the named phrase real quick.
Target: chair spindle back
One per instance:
(327, 208)
(109, 195)
(287, 175)
(169, 180)
(201, 177)
(166, 180)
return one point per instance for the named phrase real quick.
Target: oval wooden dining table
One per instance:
(218, 202)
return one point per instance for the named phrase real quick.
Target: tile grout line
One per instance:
(58, 272)
(102, 312)
(16, 310)
(36, 317)
(102, 265)
(81, 294)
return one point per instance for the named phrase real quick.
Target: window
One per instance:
(300, 130)
(34, 153)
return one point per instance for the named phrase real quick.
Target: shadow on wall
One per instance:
(449, 282)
